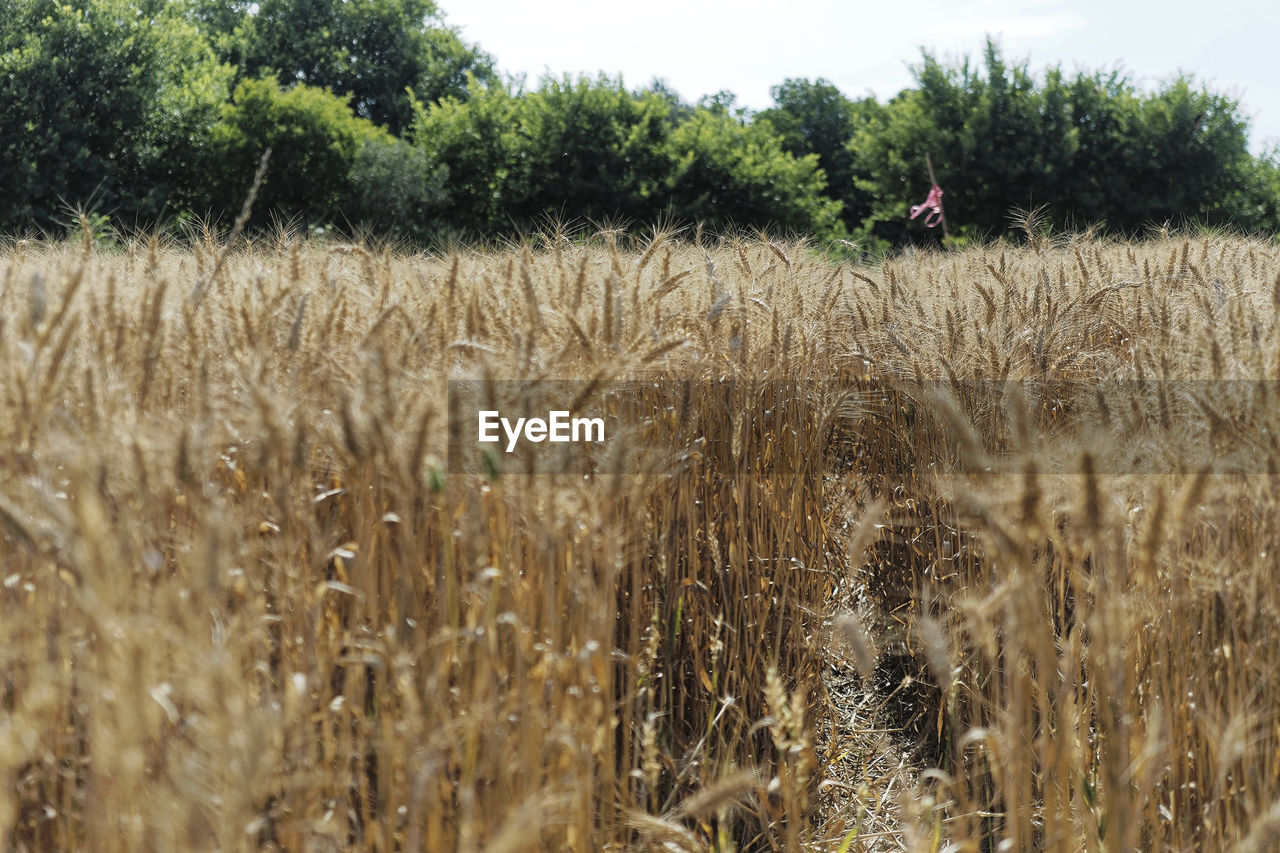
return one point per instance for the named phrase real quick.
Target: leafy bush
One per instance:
(727, 173)
(107, 104)
(814, 117)
(382, 53)
(396, 190)
(589, 149)
(121, 106)
(1092, 148)
(572, 149)
(314, 141)
(473, 141)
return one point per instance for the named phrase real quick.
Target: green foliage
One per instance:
(574, 150)
(222, 23)
(314, 141)
(106, 104)
(1181, 152)
(677, 109)
(727, 173)
(396, 190)
(998, 141)
(122, 107)
(472, 141)
(814, 117)
(1260, 201)
(588, 149)
(724, 102)
(380, 52)
(1092, 148)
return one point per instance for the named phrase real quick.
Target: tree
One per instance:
(998, 142)
(473, 141)
(727, 173)
(396, 190)
(1180, 152)
(814, 117)
(589, 149)
(677, 109)
(223, 23)
(1092, 148)
(107, 104)
(381, 53)
(573, 149)
(314, 141)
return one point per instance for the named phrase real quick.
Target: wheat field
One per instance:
(956, 551)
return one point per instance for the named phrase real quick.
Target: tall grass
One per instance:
(851, 598)
(1087, 538)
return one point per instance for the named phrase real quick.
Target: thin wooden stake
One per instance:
(933, 182)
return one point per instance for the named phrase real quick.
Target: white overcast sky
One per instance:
(747, 46)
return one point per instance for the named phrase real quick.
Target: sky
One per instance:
(700, 48)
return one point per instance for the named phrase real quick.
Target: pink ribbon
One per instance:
(934, 204)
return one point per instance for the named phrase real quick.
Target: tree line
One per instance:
(381, 119)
